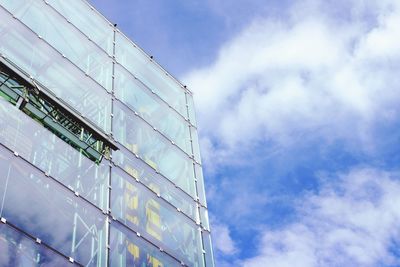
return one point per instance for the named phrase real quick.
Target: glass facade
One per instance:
(99, 155)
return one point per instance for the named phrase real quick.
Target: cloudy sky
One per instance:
(298, 109)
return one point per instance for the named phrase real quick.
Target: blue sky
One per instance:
(298, 109)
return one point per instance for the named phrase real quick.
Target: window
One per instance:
(53, 114)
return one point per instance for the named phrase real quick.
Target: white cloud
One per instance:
(310, 74)
(223, 243)
(327, 72)
(353, 222)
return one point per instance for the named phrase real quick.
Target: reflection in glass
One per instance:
(157, 183)
(140, 65)
(200, 184)
(52, 155)
(157, 221)
(44, 64)
(127, 249)
(204, 218)
(133, 93)
(195, 144)
(140, 138)
(90, 22)
(209, 258)
(18, 250)
(48, 211)
(192, 113)
(65, 38)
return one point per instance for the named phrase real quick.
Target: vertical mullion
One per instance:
(109, 218)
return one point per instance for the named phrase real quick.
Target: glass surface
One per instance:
(153, 218)
(204, 218)
(44, 64)
(139, 64)
(195, 144)
(140, 138)
(87, 20)
(208, 256)
(200, 184)
(127, 249)
(19, 250)
(50, 212)
(154, 181)
(52, 155)
(137, 96)
(65, 38)
(191, 109)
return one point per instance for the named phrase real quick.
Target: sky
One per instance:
(298, 110)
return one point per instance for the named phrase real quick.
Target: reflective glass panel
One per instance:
(191, 109)
(19, 250)
(140, 138)
(153, 218)
(50, 212)
(88, 20)
(195, 144)
(204, 218)
(43, 63)
(139, 64)
(52, 155)
(209, 258)
(138, 97)
(200, 184)
(156, 182)
(127, 249)
(64, 37)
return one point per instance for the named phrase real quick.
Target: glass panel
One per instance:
(89, 21)
(65, 38)
(60, 76)
(137, 62)
(138, 97)
(204, 218)
(200, 184)
(156, 182)
(18, 250)
(209, 258)
(195, 143)
(191, 109)
(135, 206)
(50, 212)
(127, 249)
(140, 138)
(51, 154)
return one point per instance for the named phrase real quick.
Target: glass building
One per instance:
(99, 154)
